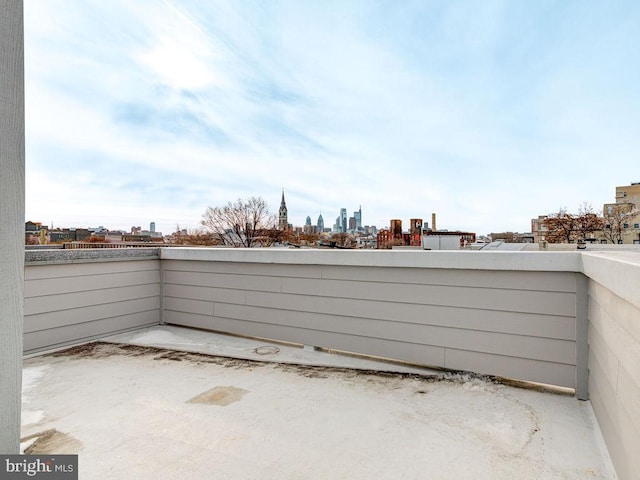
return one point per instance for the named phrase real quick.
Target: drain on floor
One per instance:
(266, 350)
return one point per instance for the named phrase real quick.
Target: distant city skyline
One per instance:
(487, 113)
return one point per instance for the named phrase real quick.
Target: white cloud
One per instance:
(487, 114)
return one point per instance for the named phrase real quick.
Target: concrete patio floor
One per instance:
(172, 409)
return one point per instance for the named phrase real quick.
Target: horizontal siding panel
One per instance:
(510, 345)
(35, 272)
(600, 352)
(193, 320)
(609, 425)
(619, 310)
(551, 303)
(601, 381)
(48, 320)
(626, 349)
(53, 286)
(511, 367)
(629, 397)
(618, 429)
(257, 269)
(188, 306)
(546, 326)
(68, 301)
(409, 352)
(630, 438)
(45, 339)
(543, 281)
(221, 280)
(205, 293)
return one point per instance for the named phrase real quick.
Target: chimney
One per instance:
(433, 222)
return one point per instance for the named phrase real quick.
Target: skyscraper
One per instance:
(320, 223)
(283, 222)
(343, 220)
(358, 216)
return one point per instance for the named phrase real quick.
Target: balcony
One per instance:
(394, 364)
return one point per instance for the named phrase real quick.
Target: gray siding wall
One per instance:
(517, 315)
(519, 324)
(614, 358)
(70, 302)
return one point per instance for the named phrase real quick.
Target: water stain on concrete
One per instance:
(221, 396)
(98, 350)
(52, 441)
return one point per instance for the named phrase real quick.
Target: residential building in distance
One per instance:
(139, 235)
(60, 235)
(512, 237)
(622, 218)
(415, 230)
(34, 233)
(629, 194)
(420, 235)
(396, 228)
(538, 228)
(465, 239)
(308, 228)
(384, 239)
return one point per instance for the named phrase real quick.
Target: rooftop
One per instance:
(162, 401)
(154, 362)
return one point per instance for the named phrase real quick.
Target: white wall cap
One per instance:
(467, 260)
(617, 271)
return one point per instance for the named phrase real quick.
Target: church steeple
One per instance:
(283, 222)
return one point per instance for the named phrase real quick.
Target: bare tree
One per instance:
(616, 216)
(240, 224)
(587, 222)
(560, 226)
(195, 237)
(97, 239)
(565, 227)
(342, 240)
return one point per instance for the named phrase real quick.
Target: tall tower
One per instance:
(343, 220)
(320, 223)
(396, 228)
(283, 222)
(416, 232)
(358, 216)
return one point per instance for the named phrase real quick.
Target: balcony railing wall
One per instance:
(515, 314)
(76, 295)
(614, 354)
(499, 319)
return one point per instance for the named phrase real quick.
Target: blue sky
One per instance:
(487, 113)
